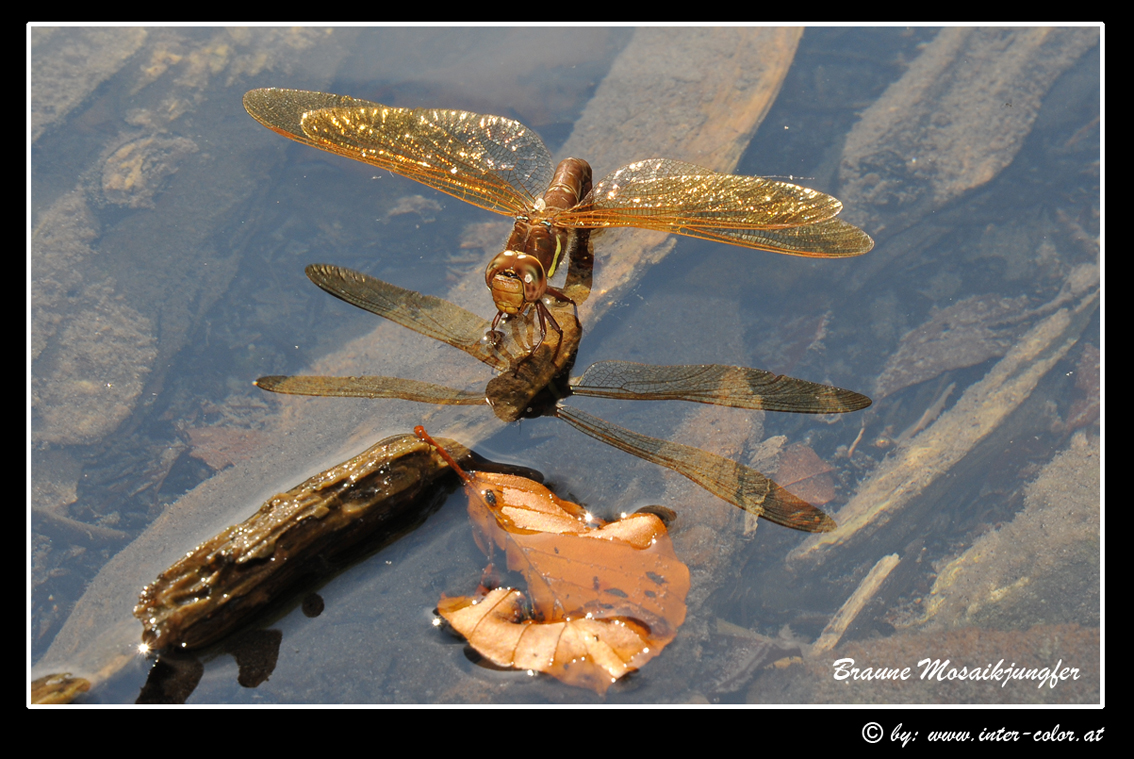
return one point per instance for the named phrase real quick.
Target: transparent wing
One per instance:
(724, 478)
(425, 314)
(370, 387)
(681, 198)
(735, 386)
(489, 161)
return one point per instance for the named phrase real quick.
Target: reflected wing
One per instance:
(371, 387)
(424, 314)
(735, 386)
(489, 161)
(724, 478)
(678, 197)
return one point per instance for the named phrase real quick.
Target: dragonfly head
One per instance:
(516, 279)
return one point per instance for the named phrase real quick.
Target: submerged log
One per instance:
(226, 579)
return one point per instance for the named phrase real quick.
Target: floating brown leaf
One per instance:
(605, 598)
(806, 474)
(583, 651)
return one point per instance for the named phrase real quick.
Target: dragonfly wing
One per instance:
(489, 161)
(724, 478)
(833, 238)
(682, 198)
(371, 387)
(735, 386)
(425, 314)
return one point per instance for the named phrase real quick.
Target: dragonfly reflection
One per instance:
(516, 391)
(501, 165)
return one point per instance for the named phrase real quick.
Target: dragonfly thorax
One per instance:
(516, 279)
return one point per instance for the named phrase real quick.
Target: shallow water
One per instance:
(191, 246)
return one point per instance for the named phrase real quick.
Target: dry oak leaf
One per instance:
(605, 598)
(583, 651)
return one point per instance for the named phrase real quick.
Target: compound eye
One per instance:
(515, 279)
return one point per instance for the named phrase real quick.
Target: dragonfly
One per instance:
(516, 391)
(501, 165)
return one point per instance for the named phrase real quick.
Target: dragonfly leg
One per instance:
(494, 336)
(545, 317)
(562, 296)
